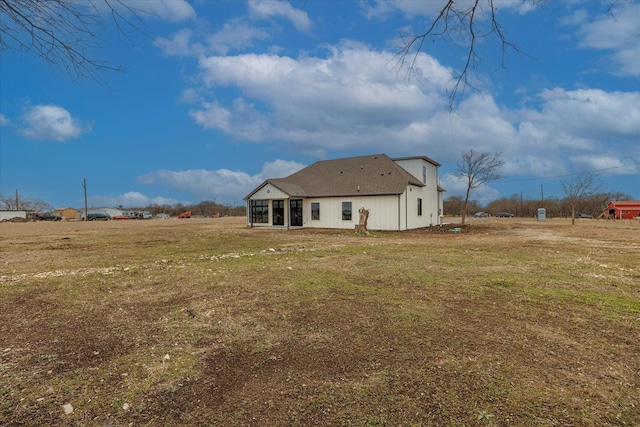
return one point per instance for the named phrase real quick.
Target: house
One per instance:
(621, 210)
(399, 194)
(68, 213)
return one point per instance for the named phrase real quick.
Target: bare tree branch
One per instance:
(63, 33)
(467, 23)
(478, 169)
(578, 189)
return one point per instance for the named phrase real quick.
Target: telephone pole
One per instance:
(86, 211)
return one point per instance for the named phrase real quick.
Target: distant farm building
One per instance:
(68, 214)
(622, 210)
(13, 215)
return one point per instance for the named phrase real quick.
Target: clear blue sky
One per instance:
(217, 96)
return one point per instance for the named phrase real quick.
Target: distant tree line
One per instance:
(206, 208)
(515, 204)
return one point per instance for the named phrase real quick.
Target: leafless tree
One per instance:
(64, 33)
(18, 203)
(578, 189)
(478, 169)
(466, 23)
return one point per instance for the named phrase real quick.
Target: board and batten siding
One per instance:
(269, 192)
(383, 212)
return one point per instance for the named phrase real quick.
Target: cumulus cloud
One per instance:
(223, 185)
(4, 121)
(351, 100)
(275, 8)
(619, 36)
(166, 10)
(50, 123)
(457, 186)
(237, 34)
(352, 92)
(379, 9)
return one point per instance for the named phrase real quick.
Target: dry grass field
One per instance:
(203, 322)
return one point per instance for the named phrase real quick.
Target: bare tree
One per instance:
(578, 189)
(478, 169)
(18, 203)
(64, 32)
(466, 23)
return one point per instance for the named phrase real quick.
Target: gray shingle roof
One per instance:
(366, 175)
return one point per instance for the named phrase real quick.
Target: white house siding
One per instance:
(383, 212)
(429, 217)
(431, 199)
(270, 193)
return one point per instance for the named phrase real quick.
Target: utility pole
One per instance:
(542, 195)
(86, 211)
(521, 204)
(17, 199)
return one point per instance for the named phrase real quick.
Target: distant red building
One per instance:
(622, 210)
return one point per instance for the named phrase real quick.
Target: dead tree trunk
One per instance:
(361, 227)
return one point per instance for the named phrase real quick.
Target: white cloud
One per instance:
(180, 44)
(309, 101)
(236, 34)
(4, 121)
(50, 123)
(166, 10)
(223, 185)
(351, 100)
(275, 8)
(618, 34)
(457, 186)
(382, 8)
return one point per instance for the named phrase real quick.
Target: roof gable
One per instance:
(364, 175)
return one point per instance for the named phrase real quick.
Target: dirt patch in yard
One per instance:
(499, 322)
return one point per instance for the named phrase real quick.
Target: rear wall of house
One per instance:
(383, 212)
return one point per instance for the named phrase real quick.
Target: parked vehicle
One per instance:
(97, 216)
(584, 216)
(186, 214)
(504, 215)
(481, 215)
(48, 216)
(162, 216)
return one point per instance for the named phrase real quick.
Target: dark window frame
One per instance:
(419, 207)
(260, 211)
(315, 211)
(347, 211)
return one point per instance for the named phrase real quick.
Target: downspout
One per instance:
(406, 210)
(399, 210)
